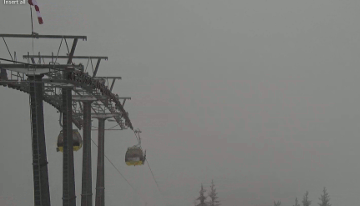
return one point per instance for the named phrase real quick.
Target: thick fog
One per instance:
(261, 96)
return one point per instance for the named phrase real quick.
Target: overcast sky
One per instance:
(261, 96)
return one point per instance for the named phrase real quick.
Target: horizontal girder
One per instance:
(37, 69)
(38, 36)
(63, 57)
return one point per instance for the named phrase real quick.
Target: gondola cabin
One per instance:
(77, 141)
(135, 156)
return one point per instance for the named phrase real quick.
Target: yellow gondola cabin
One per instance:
(77, 141)
(135, 155)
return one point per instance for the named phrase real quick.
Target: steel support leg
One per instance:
(100, 193)
(86, 194)
(69, 198)
(40, 169)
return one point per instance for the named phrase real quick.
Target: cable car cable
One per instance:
(153, 176)
(137, 136)
(119, 172)
(136, 133)
(156, 182)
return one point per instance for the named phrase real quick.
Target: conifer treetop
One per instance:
(324, 199)
(306, 201)
(202, 197)
(296, 202)
(213, 196)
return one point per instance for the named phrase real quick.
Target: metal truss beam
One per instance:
(37, 69)
(96, 67)
(104, 115)
(63, 57)
(71, 54)
(38, 36)
(87, 98)
(112, 85)
(54, 98)
(40, 66)
(107, 77)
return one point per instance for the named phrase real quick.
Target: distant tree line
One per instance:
(201, 200)
(212, 195)
(324, 200)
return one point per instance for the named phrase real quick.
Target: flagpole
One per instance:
(32, 30)
(32, 25)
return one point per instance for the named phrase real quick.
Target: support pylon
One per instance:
(100, 181)
(86, 194)
(40, 169)
(100, 184)
(69, 198)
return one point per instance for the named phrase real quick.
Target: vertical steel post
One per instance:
(69, 198)
(100, 184)
(40, 169)
(86, 194)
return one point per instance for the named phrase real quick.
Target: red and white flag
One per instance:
(34, 3)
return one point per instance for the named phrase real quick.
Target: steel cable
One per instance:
(119, 172)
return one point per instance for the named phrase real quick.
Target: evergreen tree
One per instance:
(306, 201)
(202, 197)
(324, 199)
(213, 195)
(296, 202)
(278, 203)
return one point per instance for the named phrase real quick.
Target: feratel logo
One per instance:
(13, 2)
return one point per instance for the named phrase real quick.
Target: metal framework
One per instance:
(78, 96)
(63, 57)
(37, 36)
(52, 57)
